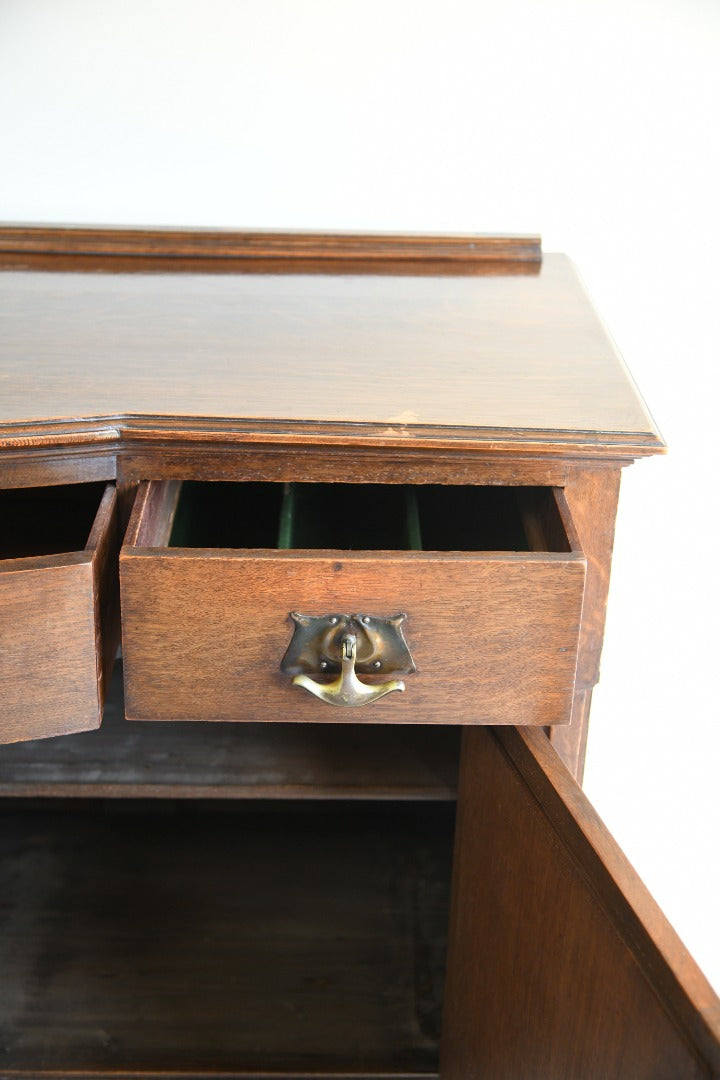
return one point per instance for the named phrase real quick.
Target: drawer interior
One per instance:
(366, 517)
(47, 520)
(224, 939)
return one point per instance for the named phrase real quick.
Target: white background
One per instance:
(595, 123)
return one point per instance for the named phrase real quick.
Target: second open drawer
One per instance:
(490, 579)
(59, 620)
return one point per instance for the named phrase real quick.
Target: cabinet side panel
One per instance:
(592, 495)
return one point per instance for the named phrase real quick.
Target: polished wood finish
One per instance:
(494, 635)
(422, 357)
(224, 942)
(59, 623)
(379, 253)
(560, 963)
(234, 761)
(296, 939)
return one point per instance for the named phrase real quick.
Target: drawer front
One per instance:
(493, 635)
(58, 624)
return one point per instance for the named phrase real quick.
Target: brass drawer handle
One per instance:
(347, 688)
(325, 644)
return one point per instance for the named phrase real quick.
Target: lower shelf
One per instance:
(222, 939)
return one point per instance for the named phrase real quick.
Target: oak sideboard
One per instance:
(305, 543)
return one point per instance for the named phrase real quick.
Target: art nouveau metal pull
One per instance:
(347, 645)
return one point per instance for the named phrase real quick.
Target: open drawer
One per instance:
(59, 620)
(490, 579)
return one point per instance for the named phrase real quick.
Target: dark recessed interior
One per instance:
(47, 520)
(367, 517)
(197, 939)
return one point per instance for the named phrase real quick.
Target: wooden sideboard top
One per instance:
(416, 338)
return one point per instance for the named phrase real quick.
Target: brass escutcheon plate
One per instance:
(316, 646)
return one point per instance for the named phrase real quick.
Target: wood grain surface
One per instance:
(224, 942)
(518, 353)
(560, 964)
(592, 495)
(494, 635)
(494, 639)
(54, 662)
(104, 543)
(261, 247)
